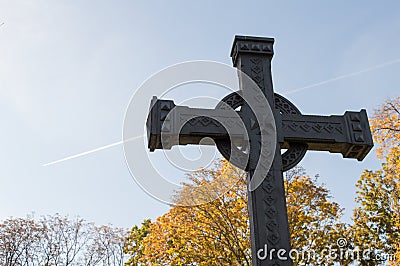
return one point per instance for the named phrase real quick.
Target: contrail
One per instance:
(287, 92)
(343, 76)
(91, 151)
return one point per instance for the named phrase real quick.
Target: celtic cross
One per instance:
(348, 134)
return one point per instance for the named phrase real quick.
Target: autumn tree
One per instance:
(134, 245)
(58, 240)
(214, 233)
(18, 238)
(62, 239)
(105, 246)
(314, 219)
(385, 126)
(377, 218)
(217, 232)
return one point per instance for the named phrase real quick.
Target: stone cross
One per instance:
(348, 134)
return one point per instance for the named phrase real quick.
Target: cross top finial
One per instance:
(250, 44)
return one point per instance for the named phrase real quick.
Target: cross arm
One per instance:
(169, 125)
(348, 134)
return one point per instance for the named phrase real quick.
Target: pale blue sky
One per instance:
(69, 68)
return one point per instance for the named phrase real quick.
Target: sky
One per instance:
(69, 68)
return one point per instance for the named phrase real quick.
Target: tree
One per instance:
(63, 239)
(134, 245)
(377, 218)
(106, 246)
(313, 219)
(385, 126)
(214, 233)
(217, 232)
(18, 238)
(57, 240)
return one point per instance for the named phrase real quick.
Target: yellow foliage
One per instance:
(313, 218)
(385, 126)
(217, 233)
(377, 218)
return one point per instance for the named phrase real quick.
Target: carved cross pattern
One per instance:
(348, 134)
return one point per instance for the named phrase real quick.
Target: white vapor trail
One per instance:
(287, 92)
(343, 76)
(91, 151)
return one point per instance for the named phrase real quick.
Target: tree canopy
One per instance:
(217, 233)
(59, 240)
(377, 218)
